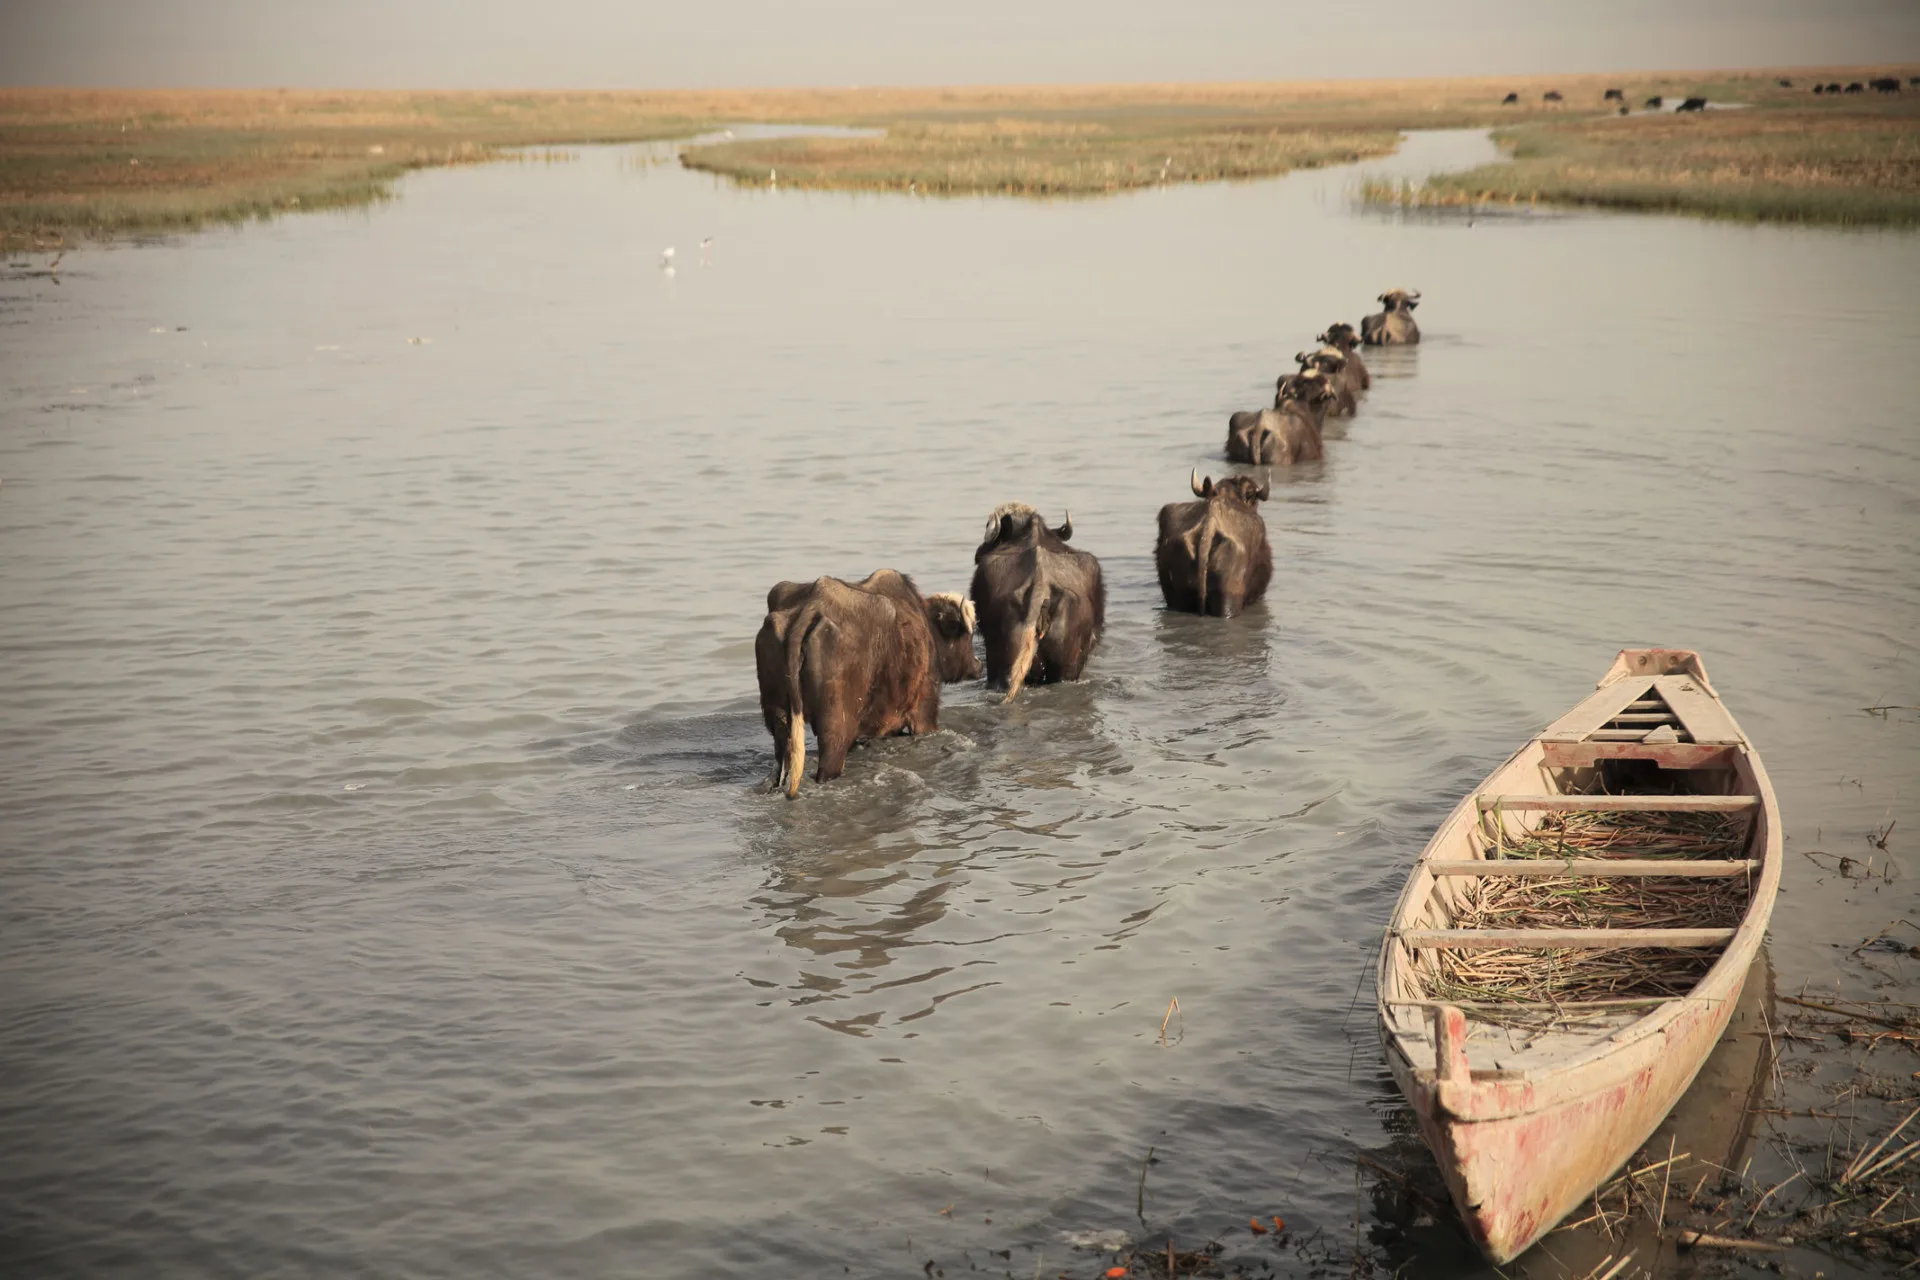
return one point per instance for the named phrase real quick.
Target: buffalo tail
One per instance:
(797, 636)
(1030, 630)
(1203, 552)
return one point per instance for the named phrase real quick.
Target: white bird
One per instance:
(706, 251)
(666, 258)
(773, 178)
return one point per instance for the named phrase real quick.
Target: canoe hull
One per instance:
(1517, 1162)
(1524, 1134)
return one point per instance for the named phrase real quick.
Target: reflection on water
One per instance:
(390, 873)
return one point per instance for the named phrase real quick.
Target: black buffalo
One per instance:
(1213, 555)
(855, 658)
(1331, 363)
(1886, 84)
(1552, 95)
(1393, 326)
(1342, 338)
(1692, 104)
(1042, 604)
(952, 618)
(1510, 100)
(1655, 102)
(1613, 95)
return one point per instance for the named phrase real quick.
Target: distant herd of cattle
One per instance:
(867, 659)
(1885, 84)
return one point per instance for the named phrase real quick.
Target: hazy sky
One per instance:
(688, 44)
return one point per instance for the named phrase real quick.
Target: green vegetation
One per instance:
(1791, 156)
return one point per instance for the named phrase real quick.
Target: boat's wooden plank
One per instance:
(1620, 804)
(1600, 706)
(1706, 720)
(1668, 755)
(1486, 939)
(1547, 868)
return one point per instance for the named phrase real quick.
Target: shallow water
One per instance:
(387, 886)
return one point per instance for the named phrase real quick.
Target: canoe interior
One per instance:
(1515, 1026)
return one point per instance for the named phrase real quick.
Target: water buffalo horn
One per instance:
(1065, 531)
(1265, 490)
(1198, 492)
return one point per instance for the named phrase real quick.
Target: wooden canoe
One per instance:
(1573, 940)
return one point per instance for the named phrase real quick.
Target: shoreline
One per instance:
(79, 165)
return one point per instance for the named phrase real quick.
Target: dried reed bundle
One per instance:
(1587, 902)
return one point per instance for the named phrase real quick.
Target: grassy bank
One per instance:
(1035, 158)
(1791, 156)
(86, 163)
(75, 164)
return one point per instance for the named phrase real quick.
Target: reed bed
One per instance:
(1856, 163)
(1533, 976)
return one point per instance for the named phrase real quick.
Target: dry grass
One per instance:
(75, 163)
(1791, 156)
(1588, 902)
(1018, 157)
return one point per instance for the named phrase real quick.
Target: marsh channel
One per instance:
(388, 882)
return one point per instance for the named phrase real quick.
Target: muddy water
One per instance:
(386, 883)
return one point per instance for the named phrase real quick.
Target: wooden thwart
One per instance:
(1668, 755)
(1547, 868)
(1620, 804)
(1487, 939)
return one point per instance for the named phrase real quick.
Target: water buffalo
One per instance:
(1510, 100)
(1042, 604)
(1331, 363)
(1855, 87)
(1343, 339)
(857, 658)
(1213, 555)
(1613, 95)
(1819, 88)
(1395, 324)
(1913, 80)
(1552, 95)
(1834, 87)
(1655, 102)
(1786, 84)
(951, 616)
(1692, 104)
(1290, 431)
(1886, 84)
